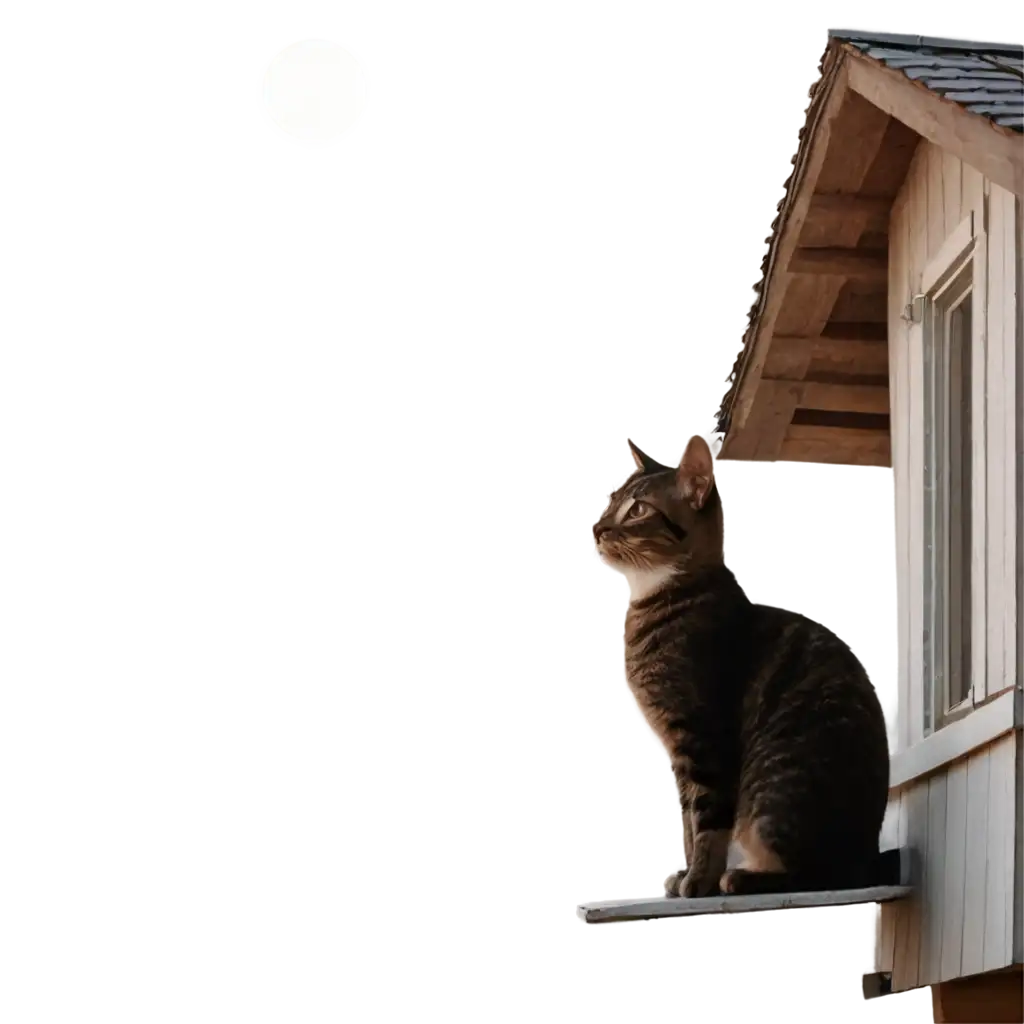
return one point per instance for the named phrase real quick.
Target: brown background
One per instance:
(307, 704)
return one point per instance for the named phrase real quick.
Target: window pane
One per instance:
(932, 658)
(959, 461)
(947, 502)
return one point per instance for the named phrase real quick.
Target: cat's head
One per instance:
(663, 521)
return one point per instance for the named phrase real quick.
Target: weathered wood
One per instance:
(788, 358)
(970, 919)
(804, 177)
(800, 304)
(1010, 856)
(1011, 449)
(866, 265)
(917, 256)
(979, 465)
(1016, 634)
(651, 909)
(952, 191)
(903, 917)
(972, 955)
(838, 355)
(907, 964)
(992, 998)
(899, 430)
(1003, 454)
(889, 169)
(933, 884)
(849, 205)
(995, 151)
(1015, 784)
(955, 871)
(829, 212)
(983, 726)
(862, 300)
(935, 220)
(845, 398)
(998, 580)
(776, 400)
(998, 952)
(804, 358)
(885, 925)
(836, 445)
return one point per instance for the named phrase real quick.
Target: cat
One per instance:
(774, 732)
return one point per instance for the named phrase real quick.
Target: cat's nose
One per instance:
(599, 528)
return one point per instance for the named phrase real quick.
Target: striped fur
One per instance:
(773, 730)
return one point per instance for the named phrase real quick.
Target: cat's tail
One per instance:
(889, 868)
(885, 869)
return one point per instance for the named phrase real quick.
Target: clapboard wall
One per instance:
(956, 793)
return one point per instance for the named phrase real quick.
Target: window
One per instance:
(955, 366)
(948, 312)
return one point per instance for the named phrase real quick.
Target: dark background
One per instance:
(307, 706)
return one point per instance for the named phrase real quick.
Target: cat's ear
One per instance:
(696, 475)
(642, 462)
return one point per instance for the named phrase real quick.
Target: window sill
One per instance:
(977, 729)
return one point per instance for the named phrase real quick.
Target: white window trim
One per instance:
(965, 244)
(965, 247)
(995, 701)
(1000, 715)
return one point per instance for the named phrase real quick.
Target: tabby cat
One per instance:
(775, 734)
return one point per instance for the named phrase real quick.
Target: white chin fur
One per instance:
(636, 584)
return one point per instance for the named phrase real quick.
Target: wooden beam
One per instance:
(776, 401)
(827, 208)
(838, 445)
(845, 398)
(867, 265)
(865, 301)
(997, 997)
(838, 148)
(849, 205)
(993, 150)
(829, 354)
(805, 174)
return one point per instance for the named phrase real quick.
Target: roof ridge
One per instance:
(973, 39)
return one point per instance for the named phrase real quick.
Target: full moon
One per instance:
(313, 88)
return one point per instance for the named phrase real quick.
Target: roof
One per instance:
(986, 79)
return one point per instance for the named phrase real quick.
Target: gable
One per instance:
(811, 380)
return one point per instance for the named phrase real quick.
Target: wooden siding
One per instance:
(963, 819)
(961, 824)
(938, 195)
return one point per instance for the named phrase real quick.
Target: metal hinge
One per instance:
(913, 311)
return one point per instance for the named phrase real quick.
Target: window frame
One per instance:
(956, 272)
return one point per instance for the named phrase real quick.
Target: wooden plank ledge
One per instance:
(665, 906)
(893, 876)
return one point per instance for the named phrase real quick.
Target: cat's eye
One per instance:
(637, 510)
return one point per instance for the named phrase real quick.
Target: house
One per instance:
(888, 331)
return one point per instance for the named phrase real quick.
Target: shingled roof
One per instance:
(986, 79)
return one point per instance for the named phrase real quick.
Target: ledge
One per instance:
(893, 877)
(649, 909)
(958, 739)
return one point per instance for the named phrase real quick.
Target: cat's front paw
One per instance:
(695, 885)
(673, 882)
